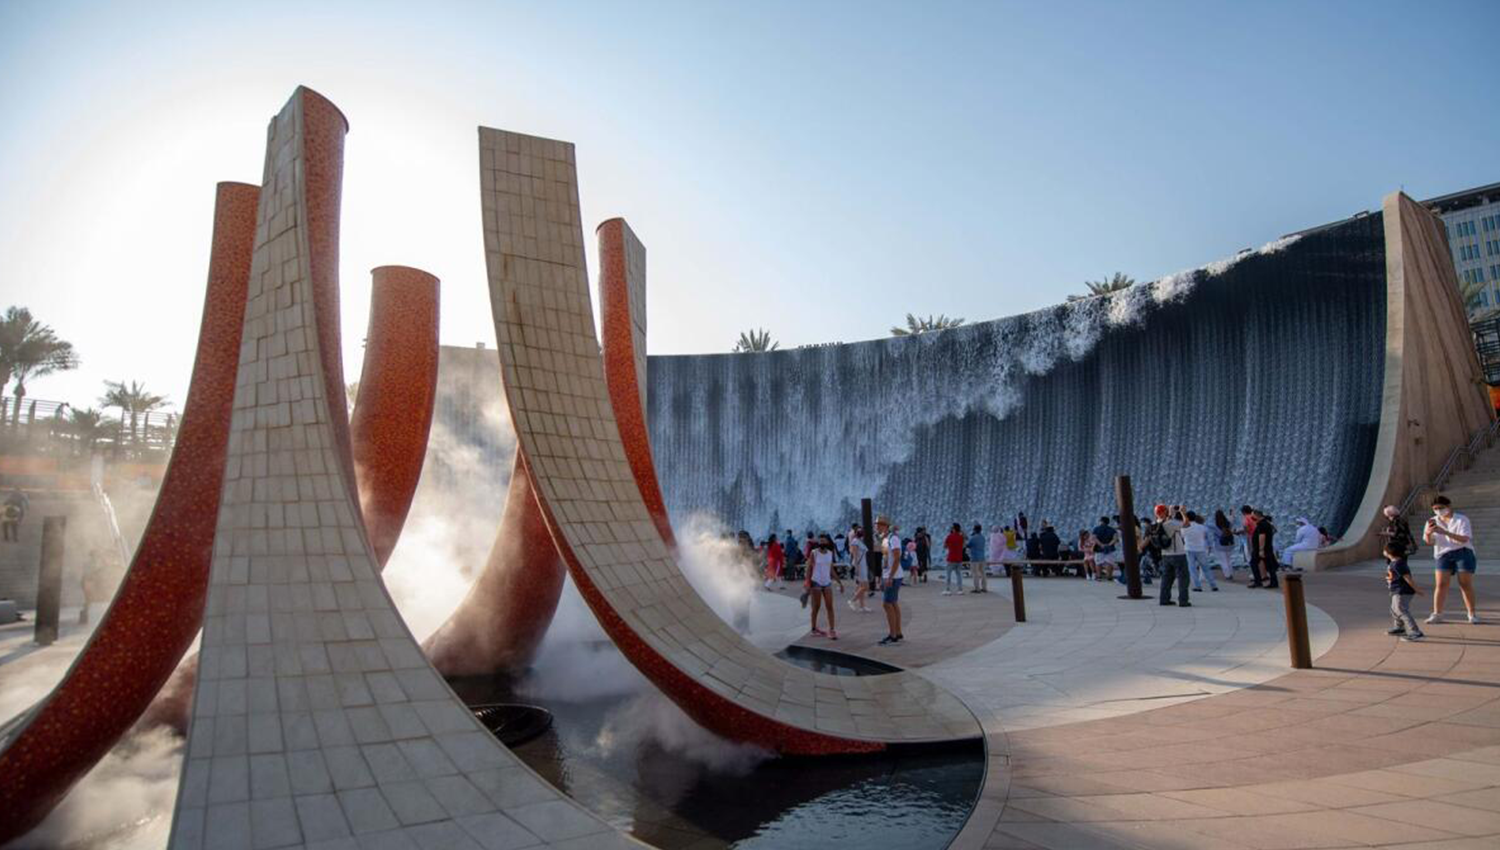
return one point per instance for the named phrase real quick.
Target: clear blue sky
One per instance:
(817, 169)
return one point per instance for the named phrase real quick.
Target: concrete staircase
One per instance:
(1476, 494)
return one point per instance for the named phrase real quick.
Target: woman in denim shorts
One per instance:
(1452, 539)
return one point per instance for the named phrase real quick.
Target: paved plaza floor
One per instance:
(1119, 724)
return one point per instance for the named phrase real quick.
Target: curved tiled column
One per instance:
(155, 613)
(622, 303)
(316, 719)
(1434, 398)
(554, 382)
(393, 412)
(388, 432)
(505, 615)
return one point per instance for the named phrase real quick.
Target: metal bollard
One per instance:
(1296, 621)
(1017, 592)
(49, 579)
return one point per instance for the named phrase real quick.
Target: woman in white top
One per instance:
(1452, 538)
(820, 579)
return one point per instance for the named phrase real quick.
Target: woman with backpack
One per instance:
(1222, 544)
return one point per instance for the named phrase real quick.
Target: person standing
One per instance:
(1398, 579)
(1452, 539)
(891, 576)
(861, 566)
(12, 513)
(1195, 540)
(1397, 534)
(1086, 547)
(924, 553)
(1263, 548)
(819, 584)
(1252, 556)
(1174, 565)
(953, 555)
(976, 547)
(1051, 544)
(995, 548)
(775, 562)
(1222, 543)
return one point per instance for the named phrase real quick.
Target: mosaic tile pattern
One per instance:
(316, 719)
(155, 614)
(554, 382)
(622, 302)
(393, 411)
(503, 618)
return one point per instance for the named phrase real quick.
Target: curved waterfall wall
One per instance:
(1256, 379)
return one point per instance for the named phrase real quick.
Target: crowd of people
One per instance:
(1178, 547)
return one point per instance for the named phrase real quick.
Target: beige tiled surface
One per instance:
(316, 721)
(554, 382)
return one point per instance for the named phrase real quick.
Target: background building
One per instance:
(1473, 220)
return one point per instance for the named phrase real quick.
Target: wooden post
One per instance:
(1296, 621)
(1017, 592)
(1129, 544)
(49, 579)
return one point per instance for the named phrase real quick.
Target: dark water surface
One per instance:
(913, 800)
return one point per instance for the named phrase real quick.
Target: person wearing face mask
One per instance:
(819, 584)
(1452, 539)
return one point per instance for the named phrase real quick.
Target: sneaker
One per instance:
(887, 640)
(1197, 590)
(1473, 619)
(1412, 638)
(1396, 631)
(833, 635)
(819, 632)
(1169, 602)
(947, 593)
(1184, 605)
(852, 606)
(1215, 588)
(1434, 618)
(898, 638)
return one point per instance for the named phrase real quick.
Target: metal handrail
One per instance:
(1485, 435)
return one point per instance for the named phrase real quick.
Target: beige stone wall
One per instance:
(1434, 398)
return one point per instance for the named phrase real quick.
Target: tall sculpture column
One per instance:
(156, 611)
(316, 719)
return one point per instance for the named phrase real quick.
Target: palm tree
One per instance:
(920, 325)
(132, 399)
(87, 427)
(1113, 283)
(1470, 291)
(29, 349)
(757, 340)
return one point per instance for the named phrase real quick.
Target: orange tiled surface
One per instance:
(554, 381)
(505, 614)
(393, 412)
(159, 605)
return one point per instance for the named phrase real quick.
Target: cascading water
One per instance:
(1254, 379)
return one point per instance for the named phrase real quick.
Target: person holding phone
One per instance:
(1452, 539)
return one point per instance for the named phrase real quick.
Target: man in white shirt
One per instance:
(891, 576)
(1452, 539)
(1195, 540)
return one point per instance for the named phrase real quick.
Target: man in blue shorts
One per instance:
(891, 575)
(1452, 539)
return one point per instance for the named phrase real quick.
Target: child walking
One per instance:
(1398, 579)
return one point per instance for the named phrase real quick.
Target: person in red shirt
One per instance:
(1252, 557)
(953, 549)
(775, 562)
